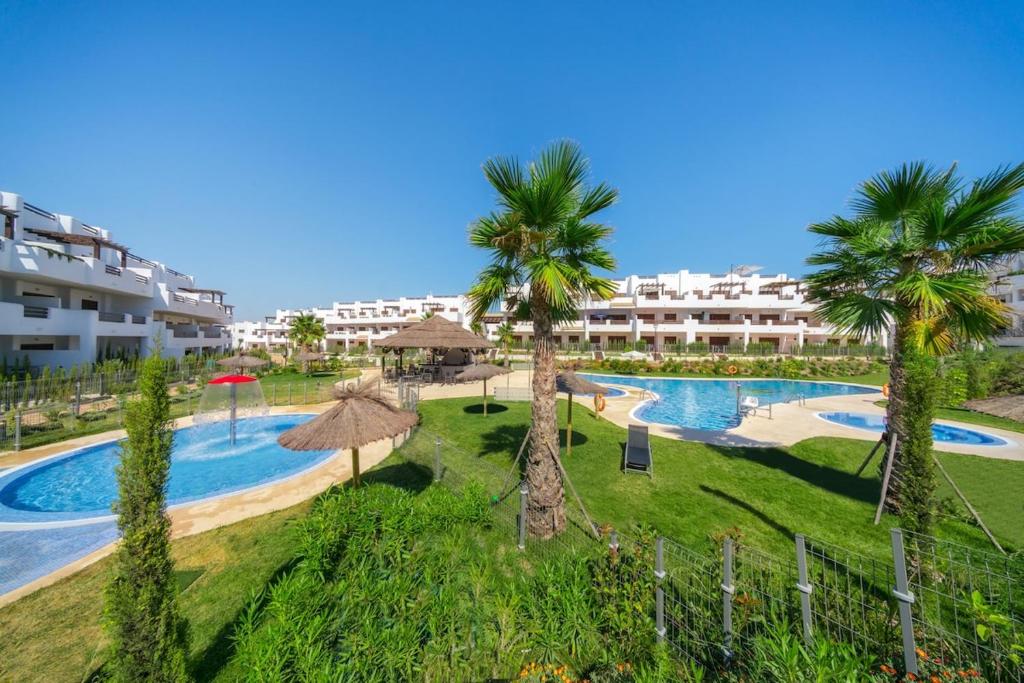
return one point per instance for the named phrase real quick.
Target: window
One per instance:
(37, 347)
(669, 317)
(90, 305)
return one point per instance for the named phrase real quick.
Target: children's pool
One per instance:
(83, 484)
(710, 404)
(940, 432)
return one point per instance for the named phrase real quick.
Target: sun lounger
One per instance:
(636, 455)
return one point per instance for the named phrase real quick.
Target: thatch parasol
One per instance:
(571, 383)
(360, 417)
(241, 362)
(484, 371)
(307, 356)
(436, 332)
(1009, 407)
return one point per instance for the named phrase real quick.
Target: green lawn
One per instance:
(699, 490)
(64, 618)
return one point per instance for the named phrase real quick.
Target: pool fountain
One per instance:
(229, 399)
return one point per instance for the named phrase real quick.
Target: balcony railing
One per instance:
(108, 317)
(37, 312)
(138, 320)
(112, 270)
(141, 279)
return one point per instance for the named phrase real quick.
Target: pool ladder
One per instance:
(648, 395)
(801, 399)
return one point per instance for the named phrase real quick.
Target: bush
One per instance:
(419, 587)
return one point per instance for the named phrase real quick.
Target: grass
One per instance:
(699, 490)
(219, 569)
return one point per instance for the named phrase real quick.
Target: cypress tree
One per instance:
(149, 637)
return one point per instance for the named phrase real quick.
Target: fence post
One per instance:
(304, 401)
(188, 401)
(289, 393)
(804, 586)
(905, 599)
(17, 430)
(273, 395)
(524, 492)
(659, 589)
(78, 396)
(728, 590)
(437, 458)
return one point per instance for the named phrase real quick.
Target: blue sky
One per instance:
(295, 154)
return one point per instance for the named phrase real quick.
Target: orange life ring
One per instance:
(885, 390)
(599, 403)
(732, 369)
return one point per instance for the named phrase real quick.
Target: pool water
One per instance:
(940, 432)
(711, 404)
(203, 464)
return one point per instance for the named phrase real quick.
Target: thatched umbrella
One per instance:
(484, 371)
(242, 362)
(571, 383)
(1009, 407)
(359, 418)
(306, 357)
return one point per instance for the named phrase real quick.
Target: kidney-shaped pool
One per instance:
(83, 483)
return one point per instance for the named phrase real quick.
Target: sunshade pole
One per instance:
(355, 467)
(485, 397)
(568, 430)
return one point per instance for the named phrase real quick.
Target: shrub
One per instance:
(148, 636)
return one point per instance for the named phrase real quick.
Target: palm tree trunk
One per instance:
(910, 413)
(545, 512)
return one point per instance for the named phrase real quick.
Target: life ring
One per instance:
(732, 369)
(885, 390)
(599, 403)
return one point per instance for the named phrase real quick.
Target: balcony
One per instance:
(35, 262)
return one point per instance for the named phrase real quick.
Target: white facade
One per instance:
(351, 323)
(1009, 288)
(661, 310)
(70, 295)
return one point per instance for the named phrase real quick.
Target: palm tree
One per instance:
(544, 247)
(506, 335)
(477, 327)
(916, 256)
(306, 331)
(427, 315)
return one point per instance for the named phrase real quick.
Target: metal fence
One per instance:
(955, 604)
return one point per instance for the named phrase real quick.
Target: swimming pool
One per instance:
(82, 484)
(940, 432)
(710, 404)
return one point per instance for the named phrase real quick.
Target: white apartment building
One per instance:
(660, 310)
(351, 324)
(1009, 288)
(70, 294)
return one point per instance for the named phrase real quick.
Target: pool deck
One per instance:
(788, 424)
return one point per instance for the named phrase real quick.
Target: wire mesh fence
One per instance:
(969, 605)
(712, 602)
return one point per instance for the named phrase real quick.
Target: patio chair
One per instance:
(636, 455)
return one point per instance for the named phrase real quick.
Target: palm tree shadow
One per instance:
(478, 408)
(744, 505)
(826, 478)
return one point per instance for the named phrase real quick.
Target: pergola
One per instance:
(97, 243)
(777, 286)
(216, 295)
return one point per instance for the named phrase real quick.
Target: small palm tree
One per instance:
(477, 327)
(544, 247)
(306, 332)
(916, 256)
(427, 315)
(506, 336)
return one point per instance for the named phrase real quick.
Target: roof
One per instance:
(436, 332)
(198, 290)
(81, 240)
